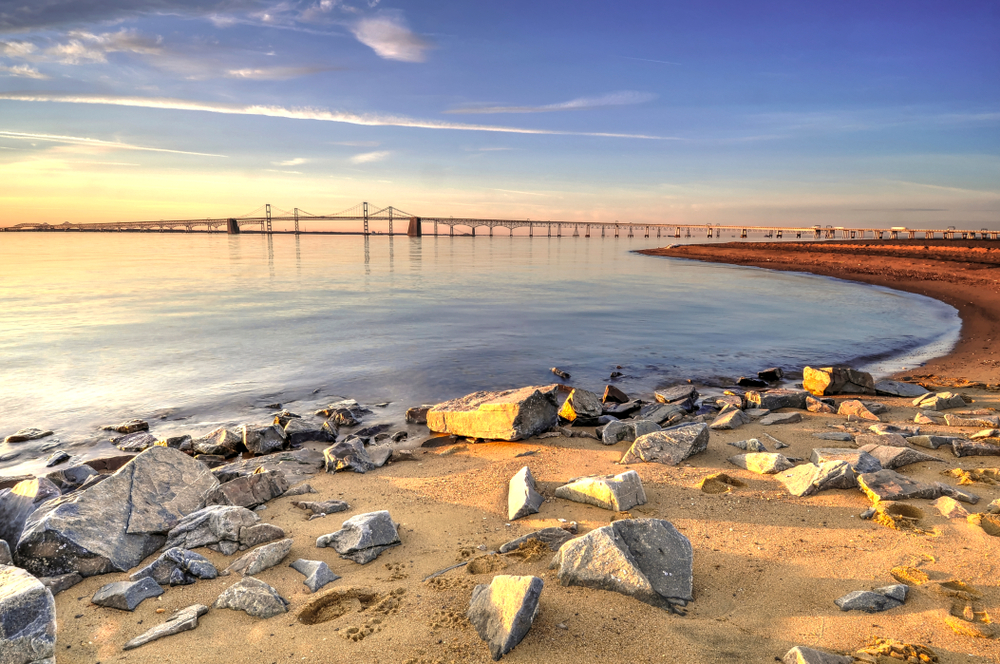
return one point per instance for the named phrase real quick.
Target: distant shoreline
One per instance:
(962, 273)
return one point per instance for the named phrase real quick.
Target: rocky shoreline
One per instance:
(548, 522)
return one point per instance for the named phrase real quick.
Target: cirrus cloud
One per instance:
(369, 157)
(624, 98)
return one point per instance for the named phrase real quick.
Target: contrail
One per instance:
(78, 140)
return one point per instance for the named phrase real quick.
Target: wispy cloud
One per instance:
(515, 191)
(20, 16)
(22, 71)
(356, 144)
(369, 120)
(661, 62)
(298, 161)
(624, 98)
(275, 73)
(85, 47)
(94, 142)
(369, 157)
(388, 35)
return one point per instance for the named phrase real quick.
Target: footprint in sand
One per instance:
(450, 619)
(397, 571)
(344, 601)
(486, 564)
(442, 584)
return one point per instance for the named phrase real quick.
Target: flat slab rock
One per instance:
(363, 538)
(669, 446)
(779, 418)
(253, 597)
(27, 618)
(809, 479)
(762, 463)
(126, 595)
(860, 460)
(503, 415)
(874, 601)
(263, 557)
(177, 567)
(250, 490)
(894, 388)
(647, 559)
(890, 485)
(611, 492)
(555, 537)
(182, 620)
(896, 457)
(503, 610)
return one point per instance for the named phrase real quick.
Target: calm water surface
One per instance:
(197, 330)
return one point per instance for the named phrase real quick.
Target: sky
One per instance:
(788, 113)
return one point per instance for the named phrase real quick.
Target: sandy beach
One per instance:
(767, 565)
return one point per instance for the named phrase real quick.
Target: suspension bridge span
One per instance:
(370, 218)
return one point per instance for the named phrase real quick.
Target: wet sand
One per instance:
(963, 273)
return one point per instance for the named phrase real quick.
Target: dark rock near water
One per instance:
(559, 372)
(363, 538)
(662, 413)
(27, 434)
(776, 399)
(112, 526)
(522, 497)
(221, 441)
(70, 478)
(614, 395)
(283, 417)
(670, 446)
(747, 381)
(128, 426)
(894, 388)
(182, 620)
(553, 537)
(262, 558)
(19, 502)
(27, 619)
(58, 457)
(175, 567)
(134, 442)
(503, 610)
(643, 558)
(254, 597)
(183, 443)
(250, 490)
(581, 404)
(299, 431)
(683, 396)
(317, 573)
(417, 415)
(837, 380)
(126, 595)
(348, 455)
(620, 410)
(263, 440)
(772, 375)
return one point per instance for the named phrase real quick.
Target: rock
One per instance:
(814, 405)
(978, 422)
(897, 457)
(611, 492)
(349, 454)
(57, 584)
(642, 427)
(522, 498)
(503, 610)
(126, 595)
(756, 413)
(957, 494)
(930, 442)
(554, 537)
(855, 410)
(251, 536)
(263, 440)
(581, 404)
(885, 429)
(683, 396)
(27, 619)
(112, 526)
(325, 507)
(837, 380)
(874, 601)
(505, 415)
(220, 441)
(928, 418)
(746, 381)
(5, 556)
(617, 431)
(345, 417)
(939, 401)
(776, 399)
(662, 413)
(176, 567)
(183, 443)
(262, 558)
(353, 407)
(894, 388)
(890, 485)
(134, 442)
(772, 375)
(300, 490)
(250, 490)
(58, 457)
(762, 463)
(182, 620)
(379, 454)
(643, 558)
(417, 415)
(27, 434)
(299, 431)
(860, 460)
(889, 439)
(965, 448)
(840, 436)
(985, 433)
(780, 418)
(622, 409)
(296, 465)
(751, 445)
(559, 372)
(20, 502)
(363, 538)
(804, 655)
(950, 508)
(283, 417)
(670, 446)
(218, 527)
(254, 597)
(613, 395)
(128, 426)
(317, 573)
(810, 479)
(70, 478)
(732, 419)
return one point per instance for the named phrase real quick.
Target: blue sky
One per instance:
(720, 112)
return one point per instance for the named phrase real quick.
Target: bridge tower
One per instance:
(232, 227)
(296, 221)
(414, 230)
(390, 220)
(365, 204)
(268, 212)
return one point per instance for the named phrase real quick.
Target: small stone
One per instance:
(58, 457)
(780, 418)
(670, 446)
(856, 410)
(261, 558)
(57, 584)
(772, 375)
(840, 436)
(363, 538)
(300, 490)
(254, 597)
(325, 507)
(317, 573)
(939, 401)
(930, 442)
(27, 434)
(860, 460)
(950, 508)
(522, 497)
(126, 595)
(559, 372)
(751, 445)
(128, 426)
(777, 399)
(614, 395)
(874, 601)
(181, 621)
(581, 404)
(134, 442)
(814, 405)
(503, 610)
(732, 419)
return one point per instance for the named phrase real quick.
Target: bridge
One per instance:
(297, 221)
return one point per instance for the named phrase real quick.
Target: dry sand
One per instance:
(767, 566)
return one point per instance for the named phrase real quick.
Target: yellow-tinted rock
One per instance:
(503, 415)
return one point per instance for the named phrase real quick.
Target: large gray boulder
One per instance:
(27, 619)
(254, 597)
(504, 415)
(262, 558)
(177, 567)
(218, 527)
(181, 621)
(581, 405)
(611, 492)
(126, 595)
(19, 502)
(349, 454)
(114, 525)
(503, 610)
(363, 538)
(643, 558)
(669, 446)
(522, 498)
(250, 490)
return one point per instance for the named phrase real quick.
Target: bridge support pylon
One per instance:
(414, 229)
(232, 227)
